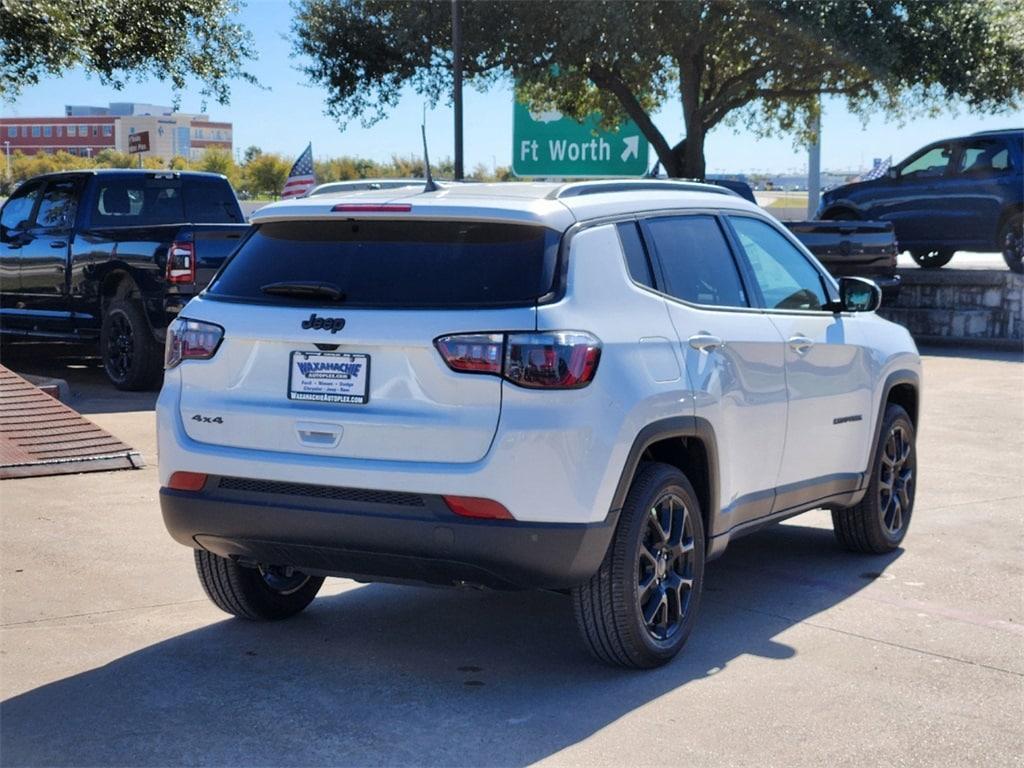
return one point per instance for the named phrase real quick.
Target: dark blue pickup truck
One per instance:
(964, 194)
(112, 256)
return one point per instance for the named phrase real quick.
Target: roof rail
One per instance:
(576, 189)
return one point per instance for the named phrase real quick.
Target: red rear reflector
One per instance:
(187, 481)
(470, 506)
(372, 208)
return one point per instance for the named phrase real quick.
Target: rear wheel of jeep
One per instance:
(639, 608)
(266, 593)
(1011, 240)
(879, 522)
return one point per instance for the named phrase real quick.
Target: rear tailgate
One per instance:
(354, 372)
(865, 248)
(416, 408)
(213, 244)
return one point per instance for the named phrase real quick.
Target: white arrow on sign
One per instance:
(632, 147)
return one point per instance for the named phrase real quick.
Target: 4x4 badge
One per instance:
(332, 324)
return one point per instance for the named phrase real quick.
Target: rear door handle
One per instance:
(705, 341)
(800, 344)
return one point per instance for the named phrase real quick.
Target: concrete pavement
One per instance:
(803, 655)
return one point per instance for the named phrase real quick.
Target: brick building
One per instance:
(86, 130)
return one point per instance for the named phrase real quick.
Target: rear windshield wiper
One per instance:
(310, 290)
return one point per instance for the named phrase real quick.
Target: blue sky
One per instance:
(290, 113)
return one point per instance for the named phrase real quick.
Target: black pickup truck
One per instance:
(112, 256)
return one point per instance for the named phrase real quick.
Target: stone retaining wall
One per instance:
(969, 307)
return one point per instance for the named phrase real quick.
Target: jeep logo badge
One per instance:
(332, 324)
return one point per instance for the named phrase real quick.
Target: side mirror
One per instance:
(857, 294)
(893, 174)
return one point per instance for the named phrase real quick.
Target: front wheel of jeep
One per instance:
(639, 608)
(879, 522)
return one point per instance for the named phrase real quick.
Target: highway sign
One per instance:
(551, 145)
(138, 142)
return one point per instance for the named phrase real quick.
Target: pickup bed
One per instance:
(853, 249)
(112, 256)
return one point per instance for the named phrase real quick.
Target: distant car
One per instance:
(963, 194)
(362, 185)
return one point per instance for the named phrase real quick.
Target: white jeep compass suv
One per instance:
(588, 388)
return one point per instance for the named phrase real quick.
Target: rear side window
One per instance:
(696, 261)
(57, 208)
(636, 255)
(210, 201)
(412, 263)
(984, 157)
(137, 201)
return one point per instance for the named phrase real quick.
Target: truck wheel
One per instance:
(879, 522)
(1011, 240)
(260, 594)
(640, 607)
(131, 356)
(932, 259)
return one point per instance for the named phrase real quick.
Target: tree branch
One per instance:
(606, 80)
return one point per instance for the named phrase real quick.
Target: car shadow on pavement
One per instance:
(384, 674)
(79, 365)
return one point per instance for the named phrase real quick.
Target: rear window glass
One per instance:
(396, 263)
(139, 201)
(153, 201)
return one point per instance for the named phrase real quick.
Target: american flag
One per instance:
(301, 178)
(881, 168)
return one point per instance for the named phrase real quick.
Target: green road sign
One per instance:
(548, 144)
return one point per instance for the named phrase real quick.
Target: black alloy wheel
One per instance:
(896, 481)
(1011, 240)
(641, 606)
(120, 350)
(665, 570)
(933, 258)
(132, 357)
(878, 522)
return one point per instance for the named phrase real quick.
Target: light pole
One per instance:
(457, 83)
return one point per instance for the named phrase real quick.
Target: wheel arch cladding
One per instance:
(687, 443)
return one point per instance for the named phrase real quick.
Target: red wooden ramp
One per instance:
(41, 436)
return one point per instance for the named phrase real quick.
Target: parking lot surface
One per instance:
(803, 655)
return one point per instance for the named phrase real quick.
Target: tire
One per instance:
(609, 607)
(1011, 240)
(257, 594)
(878, 524)
(132, 358)
(932, 259)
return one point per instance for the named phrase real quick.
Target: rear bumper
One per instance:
(380, 536)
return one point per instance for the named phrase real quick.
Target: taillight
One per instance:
(181, 263)
(191, 340)
(473, 352)
(546, 360)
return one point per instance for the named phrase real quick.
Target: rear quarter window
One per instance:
(380, 263)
